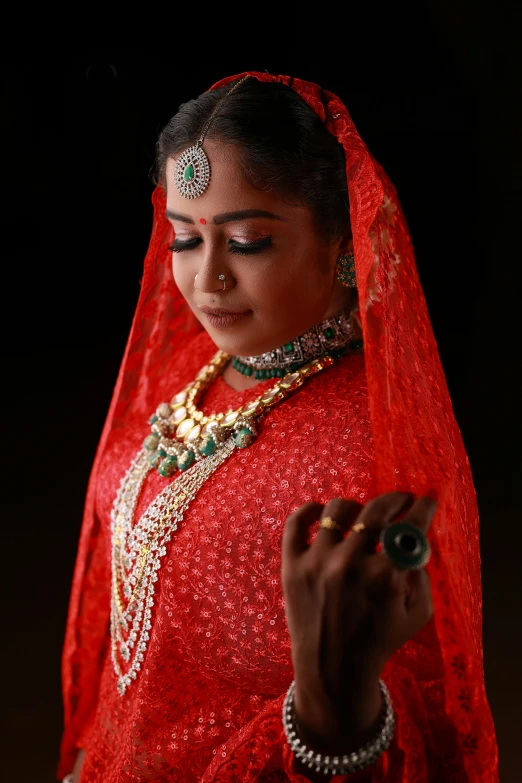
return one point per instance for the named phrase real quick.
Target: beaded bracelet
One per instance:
(351, 762)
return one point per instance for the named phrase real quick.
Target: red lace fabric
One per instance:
(206, 706)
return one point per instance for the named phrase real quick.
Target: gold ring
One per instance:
(330, 524)
(358, 527)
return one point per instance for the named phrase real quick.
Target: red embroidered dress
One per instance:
(206, 704)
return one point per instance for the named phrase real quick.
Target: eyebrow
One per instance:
(228, 217)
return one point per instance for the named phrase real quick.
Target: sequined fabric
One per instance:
(207, 704)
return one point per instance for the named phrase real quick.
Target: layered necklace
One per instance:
(186, 441)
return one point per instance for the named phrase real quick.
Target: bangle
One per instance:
(351, 762)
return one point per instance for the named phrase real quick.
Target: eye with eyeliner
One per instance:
(239, 248)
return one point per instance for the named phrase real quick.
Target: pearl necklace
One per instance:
(182, 437)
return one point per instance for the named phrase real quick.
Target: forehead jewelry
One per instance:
(192, 168)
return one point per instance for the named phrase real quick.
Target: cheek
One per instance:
(183, 277)
(294, 282)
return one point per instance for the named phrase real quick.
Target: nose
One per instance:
(222, 278)
(213, 275)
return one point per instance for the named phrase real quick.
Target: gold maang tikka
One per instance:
(192, 167)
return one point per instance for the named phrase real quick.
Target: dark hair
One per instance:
(284, 146)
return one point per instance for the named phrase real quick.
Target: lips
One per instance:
(220, 318)
(220, 311)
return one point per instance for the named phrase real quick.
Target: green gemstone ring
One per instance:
(405, 545)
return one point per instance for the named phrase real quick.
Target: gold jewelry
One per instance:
(182, 437)
(358, 527)
(223, 278)
(182, 434)
(330, 524)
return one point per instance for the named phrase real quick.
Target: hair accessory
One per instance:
(405, 545)
(351, 762)
(192, 167)
(222, 278)
(346, 271)
(330, 524)
(334, 337)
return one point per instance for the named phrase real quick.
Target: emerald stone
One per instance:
(151, 442)
(168, 466)
(288, 348)
(243, 438)
(405, 545)
(155, 460)
(188, 174)
(153, 418)
(186, 459)
(329, 333)
(207, 446)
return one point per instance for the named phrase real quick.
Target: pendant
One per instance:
(192, 172)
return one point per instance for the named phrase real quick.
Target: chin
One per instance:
(235, 346)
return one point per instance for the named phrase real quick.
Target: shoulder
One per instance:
(334, 399)
(187, 359)
(342, 384)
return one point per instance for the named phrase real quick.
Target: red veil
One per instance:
(418, 447)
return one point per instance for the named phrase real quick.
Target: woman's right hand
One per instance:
(78, 767)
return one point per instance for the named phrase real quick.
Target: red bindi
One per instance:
(203, 221)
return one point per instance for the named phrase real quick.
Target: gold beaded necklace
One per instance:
(183, 438)
(182, 434)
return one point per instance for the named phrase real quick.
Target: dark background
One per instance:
(435, 93)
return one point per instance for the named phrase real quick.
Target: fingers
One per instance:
(421, 513)
(376, 514)
(295, 533)
(344, 512)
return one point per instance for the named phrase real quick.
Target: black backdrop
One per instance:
(435, 94)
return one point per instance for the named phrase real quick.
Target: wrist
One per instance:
(339, 726)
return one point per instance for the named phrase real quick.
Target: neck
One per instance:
(237, 381)
(336, 335)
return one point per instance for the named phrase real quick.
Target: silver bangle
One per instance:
(351, 762)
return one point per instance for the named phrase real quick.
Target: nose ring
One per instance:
(223, 278)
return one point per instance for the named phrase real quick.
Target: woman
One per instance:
(239, 602)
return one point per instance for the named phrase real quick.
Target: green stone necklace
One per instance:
(334, 337)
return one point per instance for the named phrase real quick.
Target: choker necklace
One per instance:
(334, 337)
(183, 438)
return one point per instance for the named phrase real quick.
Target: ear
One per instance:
(345, 245)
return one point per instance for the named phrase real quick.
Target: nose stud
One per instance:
(220, 277)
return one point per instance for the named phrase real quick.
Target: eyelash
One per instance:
(239, 248)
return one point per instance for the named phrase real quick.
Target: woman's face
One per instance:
(278, 272)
